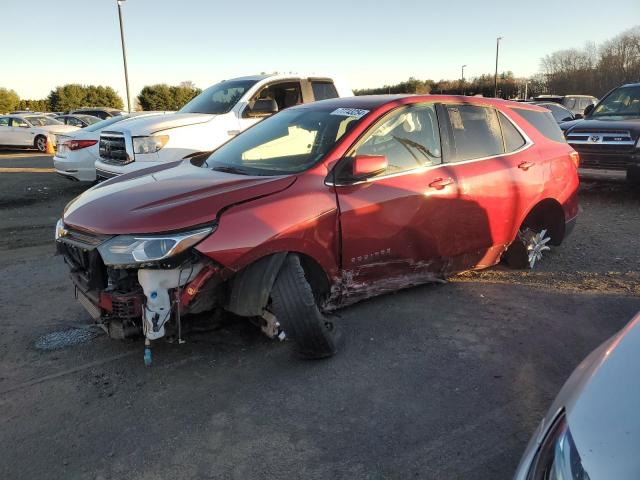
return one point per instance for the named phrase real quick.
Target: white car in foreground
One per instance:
(592, 430)
(31, 130)
(76, 154)
(209, 120)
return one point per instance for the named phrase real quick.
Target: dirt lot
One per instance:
(438, 382)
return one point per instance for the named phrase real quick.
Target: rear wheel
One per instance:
(527, 249)
(294, 305)
(40, 143)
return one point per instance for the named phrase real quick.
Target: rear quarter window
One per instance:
(324, 90)
(543, 122)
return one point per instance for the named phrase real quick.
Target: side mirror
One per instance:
(262, 107)
(588, 110)
(366, 166)
(577, 116)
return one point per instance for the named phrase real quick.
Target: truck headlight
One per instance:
(149, 144)
(558, 457)
(137, 249)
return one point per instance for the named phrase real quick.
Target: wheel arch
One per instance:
(250, 288)
(548, 214)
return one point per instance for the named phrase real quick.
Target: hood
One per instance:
(603, 414)
(599, 124)
(173, 196)
(148, 125)
(58, 128)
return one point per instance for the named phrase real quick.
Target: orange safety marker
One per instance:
(50, 149)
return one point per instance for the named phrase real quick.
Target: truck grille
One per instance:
(605, 138)
(113, 149)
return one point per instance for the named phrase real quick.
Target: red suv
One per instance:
(320, 206)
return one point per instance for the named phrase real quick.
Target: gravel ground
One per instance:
(443, 381)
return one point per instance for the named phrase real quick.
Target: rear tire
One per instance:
(40, 142)
(527, 248)
(295, 308)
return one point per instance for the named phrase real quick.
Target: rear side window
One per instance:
(513, 140)
(475, 130)
(324, 90)
(4, 122)
(543, 122)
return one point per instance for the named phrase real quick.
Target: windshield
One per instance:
(89, 119)
(624, 101)
(288, 142)
(104, 123)
(220, 98)
(41, 121)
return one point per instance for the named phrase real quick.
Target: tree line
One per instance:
(72, 96)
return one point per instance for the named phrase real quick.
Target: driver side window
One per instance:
(18, 122)
(287, 94)
(408, 138)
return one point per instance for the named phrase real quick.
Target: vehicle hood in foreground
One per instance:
(602, 407)
(599, 124)
(147, 125)
(174, 196)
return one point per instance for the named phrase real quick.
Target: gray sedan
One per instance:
(592, 430)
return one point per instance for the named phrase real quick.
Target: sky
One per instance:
(369, 43)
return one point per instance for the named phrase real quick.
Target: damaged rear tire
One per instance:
(294, 305)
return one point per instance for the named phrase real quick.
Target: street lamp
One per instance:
(124, 54)
(463, 79)
(495, 78)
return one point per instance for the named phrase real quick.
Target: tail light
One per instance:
(79, 144)
(575, 158)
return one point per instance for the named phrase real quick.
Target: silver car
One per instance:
(592, 430)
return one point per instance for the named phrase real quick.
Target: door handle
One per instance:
(440, 183)
(233, 133)
(526, 165)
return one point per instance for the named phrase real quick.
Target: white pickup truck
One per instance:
(210, 119)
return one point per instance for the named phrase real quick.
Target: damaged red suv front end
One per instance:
(320, 206)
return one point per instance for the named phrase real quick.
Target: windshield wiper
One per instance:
(229, 169)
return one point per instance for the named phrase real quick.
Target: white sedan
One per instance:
(31, 130)
(77, 153)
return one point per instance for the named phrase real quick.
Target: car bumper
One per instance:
(74, 169)
(603, 160)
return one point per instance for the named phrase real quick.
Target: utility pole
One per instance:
(124, 54)
(495, 78)
(463, 79)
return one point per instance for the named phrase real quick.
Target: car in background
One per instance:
(76, 153)
(608, 137)
(575, 103)
(592, 430)
(210, 119)
(78, 120)
(320, 206)
(100, 112)
(31, 130)
(560, 113)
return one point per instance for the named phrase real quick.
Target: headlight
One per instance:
(136, 249)
(149, 144)
(558, 458)
(60, 230)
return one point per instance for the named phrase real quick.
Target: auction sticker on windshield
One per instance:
(350, 112)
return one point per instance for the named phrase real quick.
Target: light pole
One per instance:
(495, 78)
(463, 79)
(124, 54)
